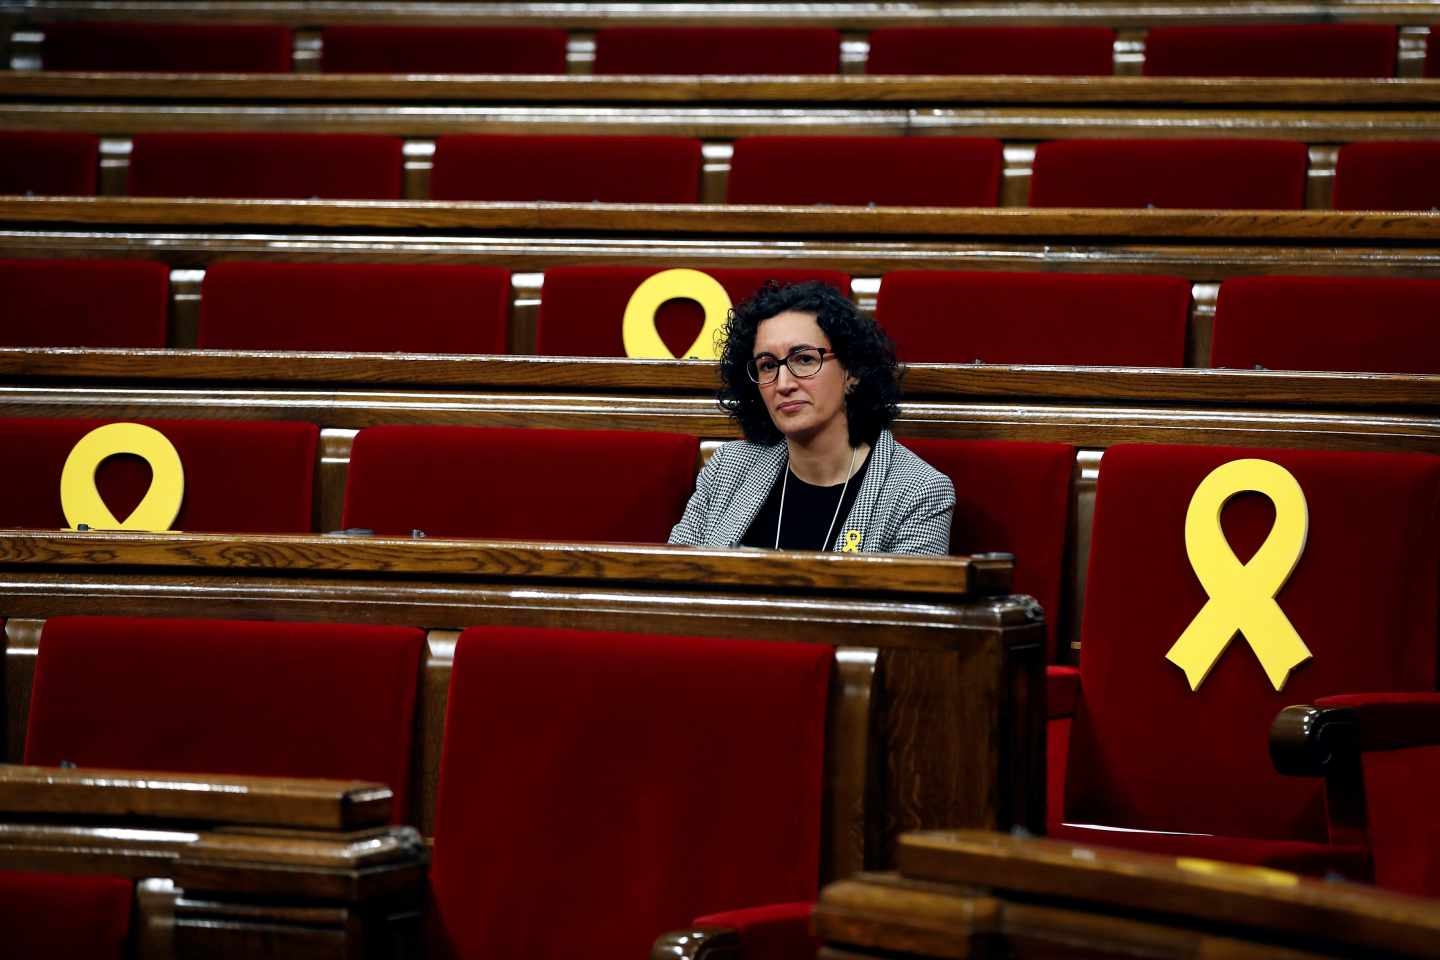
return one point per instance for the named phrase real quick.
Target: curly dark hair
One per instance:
(855, 338)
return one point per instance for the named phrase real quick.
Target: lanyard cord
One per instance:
(830, 530)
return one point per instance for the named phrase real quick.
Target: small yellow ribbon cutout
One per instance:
(642, 340)
(1242, 596)
(81, 500)
(852, 542)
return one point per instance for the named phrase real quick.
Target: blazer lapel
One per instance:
(752, 487)
(863, 510)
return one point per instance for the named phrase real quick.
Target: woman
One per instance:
(813, 384)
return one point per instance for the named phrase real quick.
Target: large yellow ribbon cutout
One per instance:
(81, 500)
(642, 340)
(1242, 596)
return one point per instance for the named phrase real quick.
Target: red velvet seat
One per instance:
(167, 47)
(861, 171)
(1375, 324)
(48, 915)
(519, 483)
(717, 50)
(240, 476)
(1192, 174)
(1388, 175)
(279, 166)
(1272, 50)
(1011, 497)
(582, 308)
(1042, 51)
(83, 303)
(1155, 766)
(386, 49)
(226, 696)
(713, 802)
(1083, 319)
(429, 308)
(571, 169)
(47, 163)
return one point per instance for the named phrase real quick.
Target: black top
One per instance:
(809, 511)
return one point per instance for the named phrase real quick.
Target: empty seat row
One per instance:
(1275, 50)
(1376, 324)
(939, 171)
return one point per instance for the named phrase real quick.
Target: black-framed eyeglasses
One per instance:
(804, 363)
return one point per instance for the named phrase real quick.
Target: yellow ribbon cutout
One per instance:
(642, 340)
(1242, 596)
(81, 500)
(852, 542)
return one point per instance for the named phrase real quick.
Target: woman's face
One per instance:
(801, 408)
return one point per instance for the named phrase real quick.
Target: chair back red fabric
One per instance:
(1147, 752)
(865, 171)
(1373, 324)
(240, 476)
(84, 303)
(520, 483)
(756, 51)
(1038, 51)
(424, 308)
(1272, 50)
(167, 47)
(566, 169)
(224, 696)
(1011, 497)
(347, 48)
(47, 915)
(670, 776)
(582, 309)
(49, 163)
(1046, 318)
(267, 166)
(1388, 175)
(1170, 173)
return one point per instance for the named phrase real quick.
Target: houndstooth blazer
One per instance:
(904, 505)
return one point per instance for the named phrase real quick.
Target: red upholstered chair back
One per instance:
(574, 169)
(1145, 751)
(1011, 497)
(384, 49)
(281, 166)
(1086, 319)
(582, 309)
(1272, 50)
(1388, 175)
(428, 308)
(1194, 174)
(1376, 324)
(717, 50)
(1044, 51)
(83, 303)
(48, 163)
(223, 696)
(240, 477)
(519, 483)
(167, 47)
(861, 171)
(602, 788)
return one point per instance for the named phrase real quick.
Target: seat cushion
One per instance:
(46, 163)
(712, 804)
(347, 48)
(264, 166)
(84, 303)
(1386, 175)
(1272, 50)
(414, 308)
(582, 309)
(167, 47)
(47, 915)
(865, 171)
(568, 169)
(717, 50)
(1040, 51)
(1193, 174)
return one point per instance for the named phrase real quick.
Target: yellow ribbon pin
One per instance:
(81, 500)
(852, 542)
(642, 340)
(1242, 596)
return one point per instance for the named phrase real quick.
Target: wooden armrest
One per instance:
(697, 943)
(356, 866)
(1313, 740)
(211, 798)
